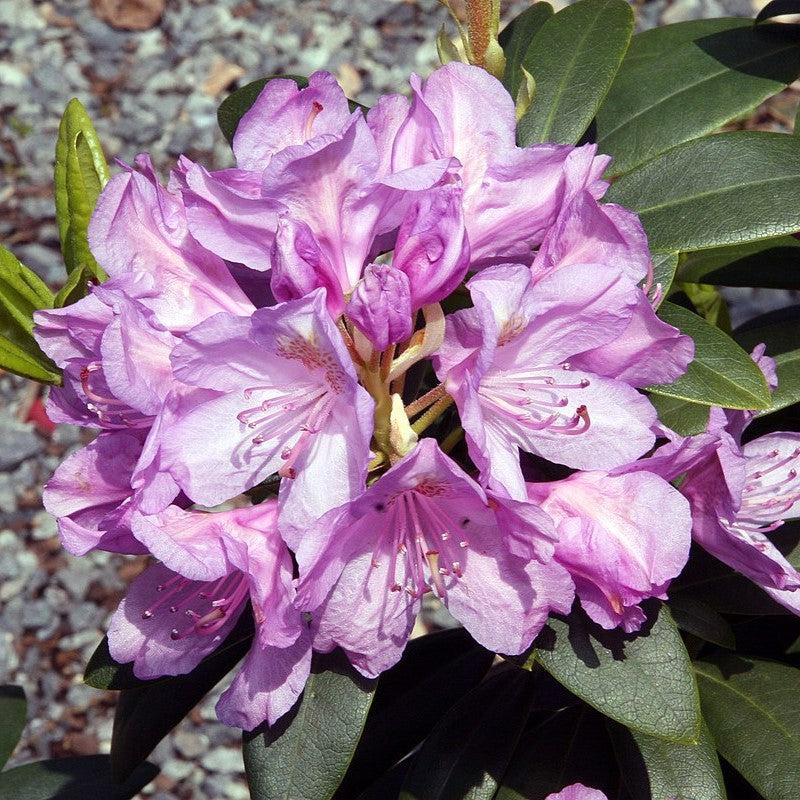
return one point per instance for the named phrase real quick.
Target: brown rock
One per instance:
(223, 73)
(129, 15)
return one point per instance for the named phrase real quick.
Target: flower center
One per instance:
(534, 398)
(208, 606)
(113, 413)
(424, 536)
(773, 488)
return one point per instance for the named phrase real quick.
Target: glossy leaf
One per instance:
(238, 103)
(13, 715)
(306, 754)
(81, 173)
(679, 82)
(516, 38)
(701, 620)
(80, 778)
(681, 416)
(664, 268)
(719, 190)
(776, 8)
(752, 711)
(654, 769)
(573, 59)
(769, 264)
(22, 293)
(780, 331)
(75, 288)
(468, 751)
(145, 715)
(435, 672)
(721, 374)
(557, 749)
(643, 681)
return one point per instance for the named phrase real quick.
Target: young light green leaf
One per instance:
(516, 38)
(573, 59)
(681, 416)
(79, 778)
(305, 755)
(681, 81)
(75, 288)
(22, 293)
(13, 715)
(715, 191)
(643, 681)
(769, 264)
(709, 303)
(752, 711)
(721, 374)
(81, 173)
(654, 769)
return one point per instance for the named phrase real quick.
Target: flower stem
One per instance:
(432, 414)
(428, 399)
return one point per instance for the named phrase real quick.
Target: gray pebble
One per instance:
(19, 440)
(190, 744)
(223, 759)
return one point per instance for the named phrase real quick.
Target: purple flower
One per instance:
(623, 538)
(577, 791)
(139, 233)
(508, 364)
(649, 351)
(90, 494)
(179, 611)
(425, 526)
(511, 194)
(277, 393)
(739, 494)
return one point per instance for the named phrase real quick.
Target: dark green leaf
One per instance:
(699, 619)
(787, 366)
(721, 374)
(81, 173)
(770, 264)
(643, 681)
(238, 103)
(469, 749)
(557, 750)
(435, 672)
(752, 711)
(715, 191)
(573, 59)
(679, 82)
(664, 267)
(780, 331)
(708, 581)
(145, 715)
(22, 293)
(683, 417)
(81, 778)
(306, 754)
(515, 39)
(777, 8)
(653, 769)
(13, 715)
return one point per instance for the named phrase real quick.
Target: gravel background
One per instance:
(155, 90)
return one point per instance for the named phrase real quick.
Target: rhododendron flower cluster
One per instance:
(390, 325)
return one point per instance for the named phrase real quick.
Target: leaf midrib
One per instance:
(794, 740)
(691, 86)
